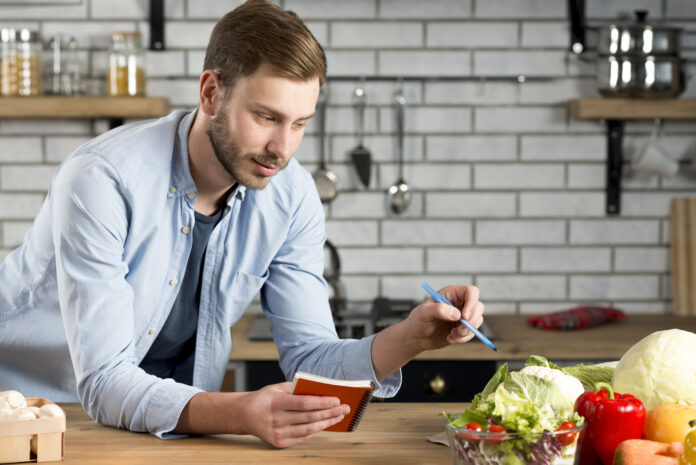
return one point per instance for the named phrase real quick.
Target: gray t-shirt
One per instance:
(172, 353)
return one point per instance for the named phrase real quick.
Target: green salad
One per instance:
(527, 406)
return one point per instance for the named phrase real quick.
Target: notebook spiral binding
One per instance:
(360, 409)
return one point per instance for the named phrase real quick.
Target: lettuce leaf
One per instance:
(589, 374)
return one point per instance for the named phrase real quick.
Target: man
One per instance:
(155, 238)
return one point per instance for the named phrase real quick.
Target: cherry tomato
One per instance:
(473, 426)
(566, 438)
(499, 437)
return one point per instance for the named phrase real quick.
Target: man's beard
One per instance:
(232, 159)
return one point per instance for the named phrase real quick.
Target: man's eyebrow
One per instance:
(276, 113)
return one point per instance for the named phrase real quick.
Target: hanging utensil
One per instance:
(362, 159)
(400, 192)
(325, 179)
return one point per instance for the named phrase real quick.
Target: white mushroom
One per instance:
(50, 410)
(25, 413)
(14, 398)
(4, 405)
(6, 415)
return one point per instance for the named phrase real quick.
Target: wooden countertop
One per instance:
(389, 433)
(515, 340)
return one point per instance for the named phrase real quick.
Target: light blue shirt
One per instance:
(82, 300)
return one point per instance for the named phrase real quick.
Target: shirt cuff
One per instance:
(359, 366)
(165, 407)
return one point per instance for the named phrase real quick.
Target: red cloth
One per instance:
(576, 318)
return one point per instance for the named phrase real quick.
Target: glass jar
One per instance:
(8, 62)
(29, 50)
(126, 73)
(64, 76)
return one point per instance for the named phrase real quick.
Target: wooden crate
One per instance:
(40, 440)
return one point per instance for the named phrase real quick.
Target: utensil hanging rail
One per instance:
(379, 77)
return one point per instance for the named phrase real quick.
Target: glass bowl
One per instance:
(470, 447)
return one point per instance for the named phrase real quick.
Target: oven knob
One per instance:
(438, 385)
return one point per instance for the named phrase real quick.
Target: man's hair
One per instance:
(257, 33)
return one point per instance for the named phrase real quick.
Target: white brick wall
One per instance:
(508, 188)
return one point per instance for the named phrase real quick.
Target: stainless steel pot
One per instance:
(651, 76)
(639, 38)
(640, 60)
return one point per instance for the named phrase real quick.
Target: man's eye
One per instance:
(266, 118)
(301, 125)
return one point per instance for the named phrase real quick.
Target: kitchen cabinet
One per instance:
(456, 372)
(615, 111)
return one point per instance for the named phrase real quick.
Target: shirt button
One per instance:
(191, 195)
(152, 331)
(172, 189)
(173, 282)
(185, 230)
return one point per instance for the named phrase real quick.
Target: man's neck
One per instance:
(212, 182)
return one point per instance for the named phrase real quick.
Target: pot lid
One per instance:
(640, 23)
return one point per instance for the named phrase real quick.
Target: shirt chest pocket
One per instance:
(241, 292)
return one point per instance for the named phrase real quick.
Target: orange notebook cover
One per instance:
(357, 394)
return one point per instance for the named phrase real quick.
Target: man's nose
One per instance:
(281, 142)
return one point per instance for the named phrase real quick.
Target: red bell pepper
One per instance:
(610, 419)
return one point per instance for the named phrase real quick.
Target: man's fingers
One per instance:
(294, 417)
(295, 434)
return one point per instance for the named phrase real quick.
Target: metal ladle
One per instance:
(325, 179)
(400, 193)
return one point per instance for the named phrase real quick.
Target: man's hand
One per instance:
(283, 419)
(271, 414)
(430, 325)
(434, 325)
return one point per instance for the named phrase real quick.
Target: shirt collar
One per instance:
(182, 182)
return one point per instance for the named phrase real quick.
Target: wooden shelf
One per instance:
(633, 109)
(83, 107)
(615, 111)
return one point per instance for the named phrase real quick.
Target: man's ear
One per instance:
(210, 92)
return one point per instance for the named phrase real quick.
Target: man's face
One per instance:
(260, 125)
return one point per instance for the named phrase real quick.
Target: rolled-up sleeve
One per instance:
(90, 224)
(295, 299)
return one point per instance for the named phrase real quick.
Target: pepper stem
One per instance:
(604, 385)
(692, 423)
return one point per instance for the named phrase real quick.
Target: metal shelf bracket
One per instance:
(615, 130)
(156, 24)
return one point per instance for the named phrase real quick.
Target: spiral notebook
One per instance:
(356, 393)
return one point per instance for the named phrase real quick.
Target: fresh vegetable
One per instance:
(689, 455)
(659, 369)
(567, 438)
(524, 405)
(569, 386)
(473, 426)
(588, 374)
(646, 452)
(668, 422)
(495, 440)
(611, 418)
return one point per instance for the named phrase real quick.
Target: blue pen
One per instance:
(437, 297)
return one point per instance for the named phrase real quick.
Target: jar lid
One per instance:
(125, 34)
